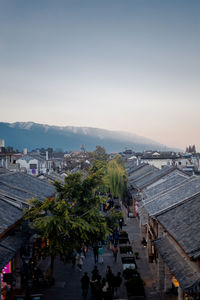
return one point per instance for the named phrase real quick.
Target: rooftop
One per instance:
(9, 215)
(167, 182)
(162, 202)
(183, 223)
(24, 185)
(148, 179)
(185, 271)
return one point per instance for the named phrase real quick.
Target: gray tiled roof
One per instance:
(143, 215)
(5, 256)
(130, 167)
(27, 183)
(143, 171)
(185, 271)
(183, 223)
(167, 182)
(9, 245)
(153, 177)
(16, 192)
(163, 202)
(9, 215)
(4, 170)
(28, 158)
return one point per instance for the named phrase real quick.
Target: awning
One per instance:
(185, 271)
(9, 246)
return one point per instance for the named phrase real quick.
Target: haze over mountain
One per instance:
(32, 135)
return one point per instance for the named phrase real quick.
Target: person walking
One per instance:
(84, 249)
(79, 261)
(106, 290)
(73, 257)
(100, 251)
(110, 241)
(95, 273)
(93, 282)
(116, 236)
(120, 224)
(96, 253)
(109, 276)
(117, 281)
(85, 281)
(115, 252)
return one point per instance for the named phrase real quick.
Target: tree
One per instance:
(191, 149)
(100, 154)
(72, 217)
(116, 178)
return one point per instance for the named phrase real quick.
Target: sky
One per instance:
(128, 65)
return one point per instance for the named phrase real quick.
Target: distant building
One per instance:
(2, 143)
(34, 165)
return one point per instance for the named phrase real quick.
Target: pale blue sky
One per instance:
(131, 65)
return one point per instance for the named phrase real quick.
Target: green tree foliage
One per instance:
(116, 178)
(73, 216)
(191, 149)
(100, 154)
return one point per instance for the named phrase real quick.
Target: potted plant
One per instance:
(126, 249)
(129, 273)
(135, 286)
(123, 234)
(136, 255)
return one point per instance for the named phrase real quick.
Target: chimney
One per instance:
(47, 155)
(25, 151)
(2, 143)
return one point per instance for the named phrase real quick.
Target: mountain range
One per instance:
(32, 135)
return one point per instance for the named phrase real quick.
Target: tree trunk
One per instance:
(52, 267)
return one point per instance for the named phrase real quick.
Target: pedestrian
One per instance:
(110, 244)
(109, 276)
(84, 249)
(144, 242)
(73, 257)
(79, 261)
(116, 236)
(95, 273)
(85, 281)
(120, 223)
(96, 253)
(105, 289)
(98, 289)
(100, 250)
(93, 285)
(115, 251)
(117, 281)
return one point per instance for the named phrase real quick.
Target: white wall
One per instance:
(26, 164)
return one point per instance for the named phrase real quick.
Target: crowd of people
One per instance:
(105, 288)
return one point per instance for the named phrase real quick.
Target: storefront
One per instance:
(6, 280)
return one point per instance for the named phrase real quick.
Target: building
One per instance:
(34, 165)
(167, 204)
(16, 240)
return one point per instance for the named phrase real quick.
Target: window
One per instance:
(33, 166)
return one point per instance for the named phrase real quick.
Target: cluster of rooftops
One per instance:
(171, 198)
(15, 191)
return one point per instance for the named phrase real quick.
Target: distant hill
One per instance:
(31, 135)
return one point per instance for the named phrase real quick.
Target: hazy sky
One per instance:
(130, 65)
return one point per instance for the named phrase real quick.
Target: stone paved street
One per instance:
(67, 285)
(67, 278)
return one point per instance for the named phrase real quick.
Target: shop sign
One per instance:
(6, 270)
(175, 282)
